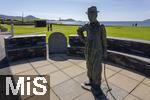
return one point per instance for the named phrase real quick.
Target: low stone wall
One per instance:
(2, 52)
(3, 60)
(25, 47)
(2, 48)
(134, 47)
(133, 62)
(125, 52)
(4, 63)
(3, 29)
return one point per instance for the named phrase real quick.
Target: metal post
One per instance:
(12, 28)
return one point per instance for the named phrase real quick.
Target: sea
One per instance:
(106, 23)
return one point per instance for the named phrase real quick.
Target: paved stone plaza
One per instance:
(67, 73)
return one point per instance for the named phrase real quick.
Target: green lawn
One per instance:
(26, 29)
(142, 33)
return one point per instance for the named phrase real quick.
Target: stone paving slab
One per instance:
(46, 69)
(82, 64)
(38, 63)
(5, 71)
(15, 69)
(57, 78)
(66, 75)
(68, 90)
(117, 92)
(109, 73)
(63, 64)
(147, 81)
(29, 72)
(86, 96)
(142, 91)
(133, 75)
(131, 97)
(114, 68)
(81, 78)
(53, 96)
(73, 71)
(123, 82)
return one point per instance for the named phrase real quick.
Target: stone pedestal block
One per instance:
(57, 43)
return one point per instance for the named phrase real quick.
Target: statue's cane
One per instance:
(109, 89)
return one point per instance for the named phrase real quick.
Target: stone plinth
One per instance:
(57, 43)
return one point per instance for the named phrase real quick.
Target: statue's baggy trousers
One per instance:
(95, 49)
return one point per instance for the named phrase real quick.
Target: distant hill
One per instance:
(26, 18)
(9, 17)
(30, 16)
(67, 19)
(147, 20)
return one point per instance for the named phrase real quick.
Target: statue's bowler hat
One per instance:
(92, 9)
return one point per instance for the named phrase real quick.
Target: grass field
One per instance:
(142, 33)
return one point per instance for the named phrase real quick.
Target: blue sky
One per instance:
(110, 10)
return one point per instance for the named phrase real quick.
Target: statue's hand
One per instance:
(82, 39)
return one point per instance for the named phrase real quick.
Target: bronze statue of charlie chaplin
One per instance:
(95, 50)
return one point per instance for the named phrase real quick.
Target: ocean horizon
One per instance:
(106, 23)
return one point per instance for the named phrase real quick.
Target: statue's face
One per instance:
(92, 16)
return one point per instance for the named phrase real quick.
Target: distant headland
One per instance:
(147, 20)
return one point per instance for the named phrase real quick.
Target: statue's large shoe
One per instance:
(98, 93)
(86, 86)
